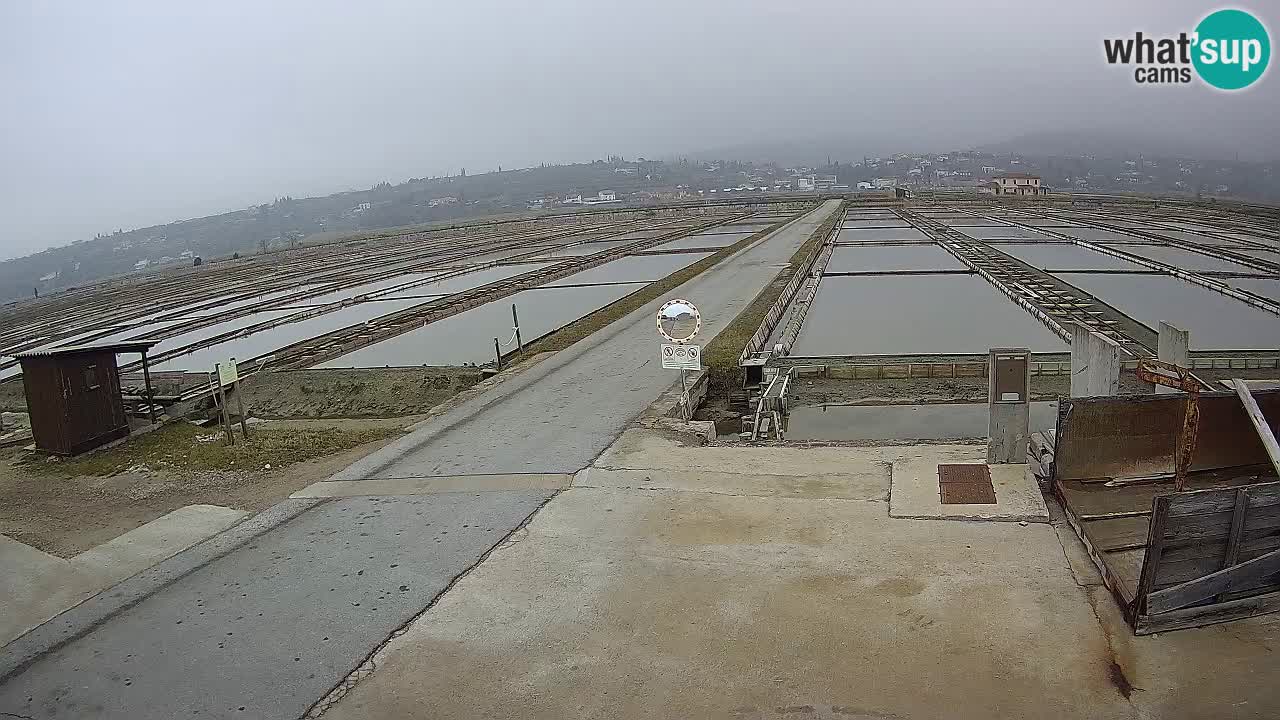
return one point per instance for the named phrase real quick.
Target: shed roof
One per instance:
(131, 346)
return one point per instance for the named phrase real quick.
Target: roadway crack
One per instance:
(15, 715)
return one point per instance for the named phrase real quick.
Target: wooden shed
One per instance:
(73, 395)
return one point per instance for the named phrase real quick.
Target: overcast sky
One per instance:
(130, 113)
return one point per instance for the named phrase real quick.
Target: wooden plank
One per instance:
(1259, 423)
(1180, 596)
(1126, 567)
(1208, 614)
(1151, 557)
(1092, 499)
(1217, 526)
(1112, 534)
(1232, 554)
(1200, 502)
(1122, 594)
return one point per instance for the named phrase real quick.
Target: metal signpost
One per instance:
(679, 322)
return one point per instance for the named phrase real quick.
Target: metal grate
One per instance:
(966, 484)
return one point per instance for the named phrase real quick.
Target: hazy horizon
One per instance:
(143, 113)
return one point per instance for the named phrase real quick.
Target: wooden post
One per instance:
(146, 379)
(497, 353)
(225, 417)
(244, 423)
(515, 320)
(1259, 422)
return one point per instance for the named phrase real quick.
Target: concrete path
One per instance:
(771, 583)
(560, 415)
(268, 627)
(36, 586)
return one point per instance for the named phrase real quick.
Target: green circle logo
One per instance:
(1231, 49)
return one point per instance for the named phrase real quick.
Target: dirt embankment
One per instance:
(359, 393)
(66, 506)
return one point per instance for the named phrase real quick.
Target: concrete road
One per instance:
(770, 583)
(557, 417)
(268, 628)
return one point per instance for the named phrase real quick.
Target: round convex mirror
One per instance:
(679, 321)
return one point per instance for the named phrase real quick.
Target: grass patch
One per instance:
(575, 331)
(720, 356)
(187, 449)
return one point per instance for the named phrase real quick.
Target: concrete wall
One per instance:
(1095, 364)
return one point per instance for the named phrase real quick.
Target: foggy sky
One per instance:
(129, 113)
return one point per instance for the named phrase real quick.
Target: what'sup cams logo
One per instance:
(1228, 50)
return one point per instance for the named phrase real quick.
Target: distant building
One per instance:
(824, 182)
(604, 196)
(437, 202)
(881, 183)
(864, 186)
(804, 182)
(1017, 184)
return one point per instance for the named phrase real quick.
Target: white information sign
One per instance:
(227, 374)
(681, 357)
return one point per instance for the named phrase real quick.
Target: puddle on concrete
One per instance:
(1064, 256)
(468, 336)
(882, 258)
(903, 422)
(906, 314)
(1216, 322)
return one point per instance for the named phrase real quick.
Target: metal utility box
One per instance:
(1008, 434)
(74, 398)
(1010, 376)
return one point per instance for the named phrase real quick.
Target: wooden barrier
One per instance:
(1173, 559)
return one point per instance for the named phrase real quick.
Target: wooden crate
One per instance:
(1172, 559)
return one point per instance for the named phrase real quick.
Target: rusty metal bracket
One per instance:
(1167, 374)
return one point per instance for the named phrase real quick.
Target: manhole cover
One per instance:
(966, 484)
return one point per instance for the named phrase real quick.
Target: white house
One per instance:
(1017, 184)
(864, 186)
(881, 183)
(804, 182)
